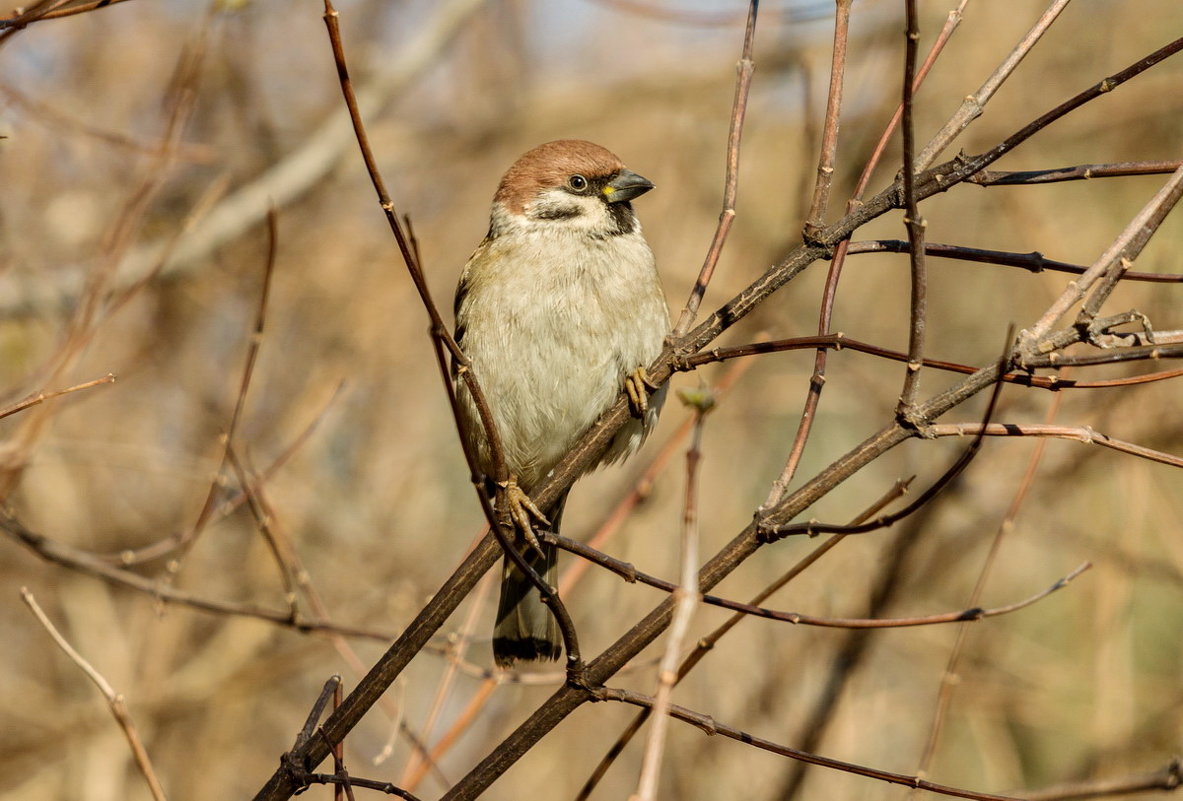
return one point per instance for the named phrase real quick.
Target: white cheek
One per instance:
(575, 212)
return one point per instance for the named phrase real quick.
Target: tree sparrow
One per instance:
(557, 310)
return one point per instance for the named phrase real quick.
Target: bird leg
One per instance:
(521, 509)
(638, 386)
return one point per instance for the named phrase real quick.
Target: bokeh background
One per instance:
(154, 133)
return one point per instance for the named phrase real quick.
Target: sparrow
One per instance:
(558, 309)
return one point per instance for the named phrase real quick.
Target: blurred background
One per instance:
(142, 146)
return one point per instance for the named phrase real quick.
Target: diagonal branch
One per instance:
(115, 700)
(743, 85)
(973, 105)
(711, 726)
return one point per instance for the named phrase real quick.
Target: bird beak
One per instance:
(626, 186)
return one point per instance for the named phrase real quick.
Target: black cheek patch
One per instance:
(558, 213)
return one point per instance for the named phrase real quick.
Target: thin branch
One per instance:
(1127, 245)
(343, 791)
(827, 153)
(369, 784)
(1083, 434)
(189, 538)
(1079, 172)
(114, 699)
(1034, 262)
(973, 105)
(629, 572)
(41, 397)
(841, 341)
(743, 84)
(261, 512)
(918, 315)
(1167, 779)
(331, 685)
(1109, 356)
(710, 726)
(686, 597)
(84, 562)
(57, 10)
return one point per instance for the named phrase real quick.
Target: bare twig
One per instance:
(971, 108)
(1054, 360)
(114, 699)
(263, 516)
(55, 9)
(188, 538)
(1167, 779)
(710, 726)
(377, 785)
(1079, 172)
(1127, 245)
(686, 597)
(918, 316)
(1111, 356)
(331, 685)
(1032, 262)
(1083, 434)
(629, 572)
(41, 397)
(75, 559)
(827, 152)
(743, 84)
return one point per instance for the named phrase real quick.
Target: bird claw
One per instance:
(522, 510)
(638, 386)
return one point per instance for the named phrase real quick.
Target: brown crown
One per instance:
(550, 165)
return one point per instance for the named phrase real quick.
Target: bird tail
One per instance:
(525, 629)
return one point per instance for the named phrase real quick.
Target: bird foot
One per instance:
(638, 386)
(522, 511)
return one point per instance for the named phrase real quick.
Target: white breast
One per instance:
(553, 322)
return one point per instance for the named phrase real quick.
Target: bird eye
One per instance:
(577, 182)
